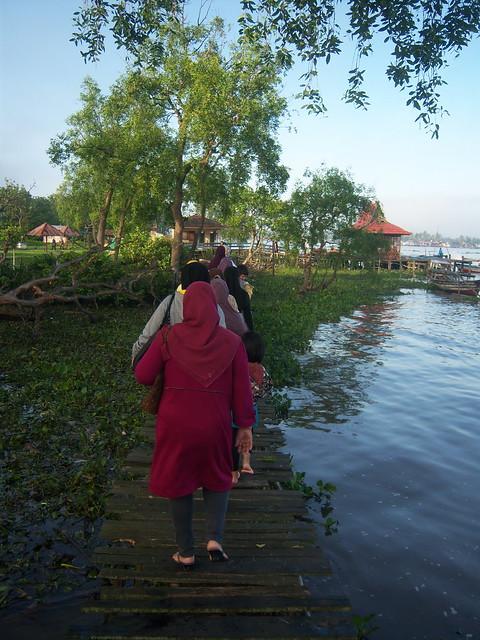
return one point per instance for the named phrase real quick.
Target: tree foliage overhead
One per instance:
(422, 35)
(131, 22)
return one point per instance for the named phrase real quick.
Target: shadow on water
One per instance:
(389, 413)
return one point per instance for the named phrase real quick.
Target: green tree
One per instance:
(361, 247)
(221, 113)
(321, 210)
(254, 218)
(15, 205)
(43, 210)
(107, 143)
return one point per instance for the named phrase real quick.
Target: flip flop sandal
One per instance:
(187, 566)
(217, 555)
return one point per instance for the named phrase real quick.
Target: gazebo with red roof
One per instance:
(374, 221)
(47, 232)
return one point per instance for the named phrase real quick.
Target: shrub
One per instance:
(139, 248)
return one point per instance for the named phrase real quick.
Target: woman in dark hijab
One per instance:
(206, 384)
(219, 254)
(232, 278)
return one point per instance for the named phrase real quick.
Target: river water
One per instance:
(389, 412)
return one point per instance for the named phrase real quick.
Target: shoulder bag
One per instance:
(151, 401)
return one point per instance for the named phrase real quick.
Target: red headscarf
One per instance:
(219, 254)
(198, 344)
(233, 319)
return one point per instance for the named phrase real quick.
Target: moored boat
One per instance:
(454, 282)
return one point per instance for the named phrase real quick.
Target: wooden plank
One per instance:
(234, 605)
(253, 566)
(180, 590)
(205, 578)
(288, 510)
(143, 556)
(150, 522)
(273, 496)
(161, 538)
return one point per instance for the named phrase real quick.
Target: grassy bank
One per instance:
(69, 413)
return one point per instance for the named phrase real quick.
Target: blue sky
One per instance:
(423, 184)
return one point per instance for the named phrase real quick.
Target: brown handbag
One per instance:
(151, 401)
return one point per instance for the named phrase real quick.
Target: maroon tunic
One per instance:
(194, 423)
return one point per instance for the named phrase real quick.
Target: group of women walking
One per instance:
(206, 388)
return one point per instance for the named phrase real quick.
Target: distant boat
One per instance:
(454, 282)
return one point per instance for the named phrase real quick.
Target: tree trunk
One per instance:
(177, 244)
(102, 222)
(6, 246)
(307, 269)
(203, 211)
(121, 226)
(180, 177)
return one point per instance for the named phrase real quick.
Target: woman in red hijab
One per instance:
(206, 384)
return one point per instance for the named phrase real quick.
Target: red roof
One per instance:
(67, 231)
(45, 229)
(368, 222)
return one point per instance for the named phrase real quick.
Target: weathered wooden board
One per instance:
(277, 584)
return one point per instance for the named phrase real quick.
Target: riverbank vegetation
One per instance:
(70, 413)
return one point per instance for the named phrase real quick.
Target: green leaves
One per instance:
(424, 35)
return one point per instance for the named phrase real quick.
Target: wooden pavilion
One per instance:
(48, 233)
(209, 231)
(373, 221)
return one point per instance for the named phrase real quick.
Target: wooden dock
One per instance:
(277, 584)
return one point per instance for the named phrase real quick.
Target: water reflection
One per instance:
(341, 366)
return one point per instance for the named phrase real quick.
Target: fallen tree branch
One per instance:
(33, 296)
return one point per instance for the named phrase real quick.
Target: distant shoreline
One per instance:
(457, 253)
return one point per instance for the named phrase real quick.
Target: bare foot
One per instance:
(185, 561)
(216, 552)
(247, 469)
(235, 477)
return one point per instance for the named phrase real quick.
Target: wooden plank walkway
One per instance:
(277, 585)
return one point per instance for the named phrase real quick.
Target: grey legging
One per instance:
(182, 512)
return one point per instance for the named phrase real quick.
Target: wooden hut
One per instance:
(209, 232)
(374, 221)
(48, 233)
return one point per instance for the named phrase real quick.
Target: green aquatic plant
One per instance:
(281, 405)
(364, 626)
(322, 494)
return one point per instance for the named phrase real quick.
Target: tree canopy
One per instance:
(15, 205)
(422, 35)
